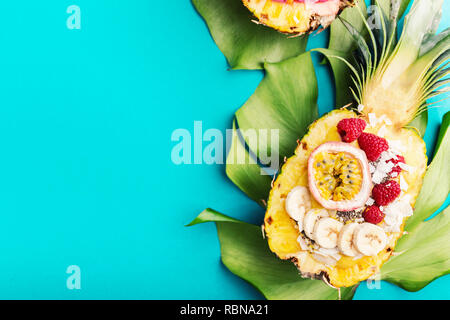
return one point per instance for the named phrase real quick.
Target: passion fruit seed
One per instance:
(337, 175)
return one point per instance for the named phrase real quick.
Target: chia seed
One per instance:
(353, 216)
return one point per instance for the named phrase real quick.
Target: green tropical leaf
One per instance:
(245, 44)
(209, 215)
(246, 254)
(436, 184)
(285, 100)
(245, 173)
(425, 255)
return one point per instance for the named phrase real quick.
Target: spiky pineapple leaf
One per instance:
(244, 171)
(285, 100)
(432, 40)
(424, 255)
(342, 84)
(342, 44)
(245, 44)
(245, 253)
(436, 184)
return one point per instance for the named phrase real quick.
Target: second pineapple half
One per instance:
(296, 17)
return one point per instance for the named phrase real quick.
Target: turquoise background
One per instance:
(86, 176)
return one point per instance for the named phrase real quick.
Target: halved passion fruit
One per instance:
(339, 177)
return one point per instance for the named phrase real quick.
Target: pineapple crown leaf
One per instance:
(417, 60)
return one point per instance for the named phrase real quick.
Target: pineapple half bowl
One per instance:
(335, 243)
(296, 17)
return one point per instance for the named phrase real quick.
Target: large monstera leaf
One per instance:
(245, 253)
(424, 255)
(245, 44)
(286, 101)
(243, 169)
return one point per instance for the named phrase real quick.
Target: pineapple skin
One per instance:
(291, 17)
(281, 230)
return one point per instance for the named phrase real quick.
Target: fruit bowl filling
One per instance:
(347, 196)
(354, 194)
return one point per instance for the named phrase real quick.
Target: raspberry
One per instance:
(386, 192)
(396, 170)
(350, 129)
(373, 215)
(372, 145)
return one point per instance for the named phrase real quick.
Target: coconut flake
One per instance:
(377, 177)
(397, 146)
(327, 260)
(334, 253)
(393, 224)
(360, 108)
(387, 120)
(406, 167)
(403, 184)
(382, 132)
(372, 119)
(407, 198)
(385, 167)
(370, 202)
(395, 212)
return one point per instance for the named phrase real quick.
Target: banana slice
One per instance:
(345, 240)
(326, 232)
(369, 239)
(298, 202)
(310, 221)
